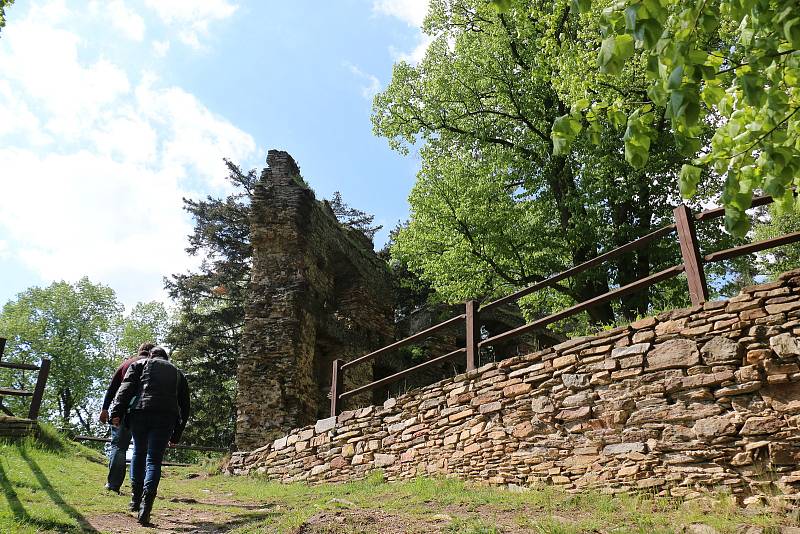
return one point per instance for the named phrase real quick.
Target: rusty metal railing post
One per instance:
(336, 386)
(692, 261)
(38, 393)
(473, 333)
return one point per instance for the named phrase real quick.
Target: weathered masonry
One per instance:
(317, 293)
(699, 398)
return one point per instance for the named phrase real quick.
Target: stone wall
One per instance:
(15, 427)
(700, 398)
(317, 292)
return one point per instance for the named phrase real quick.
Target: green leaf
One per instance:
(687, 146)
(737, 222)
(675, 78)
(630, 17)
(774, 186)
(579, 105)
(501, 5)
(712, 94)
(614, 50)
(753, 88)
(637, 141)
(688, 180)
(791, 29)
(565, 129)
(624, 46)
(582, 6)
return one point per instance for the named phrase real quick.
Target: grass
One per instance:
(52, 485)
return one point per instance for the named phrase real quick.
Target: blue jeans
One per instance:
(151, 432)
(120, 441)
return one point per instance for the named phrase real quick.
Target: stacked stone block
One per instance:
(317, 292)
(701, 398)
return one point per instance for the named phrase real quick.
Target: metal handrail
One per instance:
(692, 265)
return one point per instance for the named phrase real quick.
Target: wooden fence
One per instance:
(38, 391)
(692, 265)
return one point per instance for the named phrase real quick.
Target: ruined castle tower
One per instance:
(317, 293)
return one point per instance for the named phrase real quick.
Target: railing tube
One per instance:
(38, 392)
(690, 250)
(337, 373)
(473, 333)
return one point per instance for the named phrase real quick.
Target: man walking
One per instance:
(157, 418)
(120, 436)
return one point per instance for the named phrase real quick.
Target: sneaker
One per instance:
(109, 488)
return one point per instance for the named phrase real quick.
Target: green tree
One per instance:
(146, 322)
(500, 202)
(206, 333)
(3, 5)
(352, 217)
(787, 257)
(731, 66)
(71, 324)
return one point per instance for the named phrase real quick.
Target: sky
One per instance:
(113, 111)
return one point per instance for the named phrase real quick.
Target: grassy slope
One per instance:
(55, 486)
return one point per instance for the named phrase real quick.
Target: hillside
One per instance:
(52, 485)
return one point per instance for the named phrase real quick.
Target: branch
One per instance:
(748, 149)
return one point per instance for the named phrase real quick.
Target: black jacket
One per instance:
(161, 388)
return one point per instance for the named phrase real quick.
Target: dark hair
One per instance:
(159, 352)
(145, 348)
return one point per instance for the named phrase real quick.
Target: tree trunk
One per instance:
(588, 284)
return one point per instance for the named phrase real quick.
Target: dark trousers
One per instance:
(120, 441)
(151, 432)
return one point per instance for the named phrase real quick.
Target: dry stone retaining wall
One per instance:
(706, 397)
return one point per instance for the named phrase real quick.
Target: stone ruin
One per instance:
(318, 292)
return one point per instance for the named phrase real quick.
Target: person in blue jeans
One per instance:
(155, 397)
(120, 435)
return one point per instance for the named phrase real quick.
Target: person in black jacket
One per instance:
(120, 435)
(155, 397)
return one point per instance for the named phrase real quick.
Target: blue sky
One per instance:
(112, 111)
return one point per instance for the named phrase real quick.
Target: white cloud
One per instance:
(160, 48)
(416, 55)
(191, 17)
(372, 86)
(95, 161)
(125, 20)
(411, 11)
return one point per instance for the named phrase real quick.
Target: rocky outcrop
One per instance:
(698, 398)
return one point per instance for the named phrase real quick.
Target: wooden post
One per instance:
(38, 393)
(336, 386)
(473, 333)
(692, 261)
(2, 346)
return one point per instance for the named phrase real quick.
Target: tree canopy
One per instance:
(501, 200)
(729, 65)
(70, 324)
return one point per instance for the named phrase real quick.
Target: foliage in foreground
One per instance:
(56, 487)
(732, 65)
(3, 5)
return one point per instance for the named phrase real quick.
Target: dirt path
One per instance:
(191, 516)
